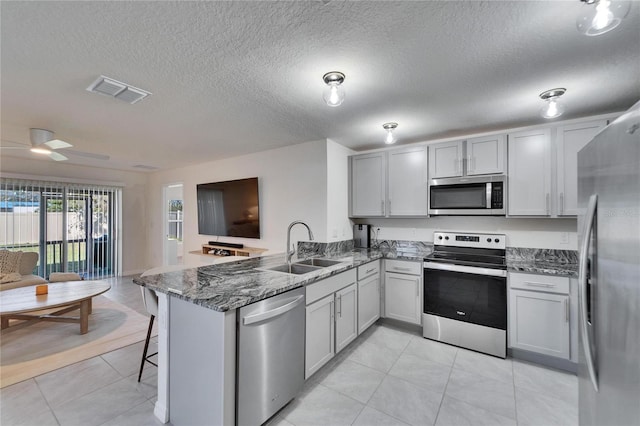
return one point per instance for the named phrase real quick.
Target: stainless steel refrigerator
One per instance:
(609, 277)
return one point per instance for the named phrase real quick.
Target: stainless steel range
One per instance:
(465, 292)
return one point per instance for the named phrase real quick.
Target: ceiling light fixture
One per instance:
(602, 18)
(40, 151)
(554, 108)
(389, 127)
(333, 95)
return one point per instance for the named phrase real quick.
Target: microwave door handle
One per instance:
(488, 205)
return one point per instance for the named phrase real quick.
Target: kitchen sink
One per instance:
(294, 268)
(319, 262)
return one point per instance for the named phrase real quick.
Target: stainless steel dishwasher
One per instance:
(270, 361)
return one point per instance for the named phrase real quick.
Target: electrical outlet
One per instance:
(564, 238)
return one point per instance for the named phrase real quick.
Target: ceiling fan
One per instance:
(44, 143)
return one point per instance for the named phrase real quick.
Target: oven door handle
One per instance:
(465, 269)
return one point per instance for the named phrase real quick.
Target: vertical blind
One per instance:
(73, 227)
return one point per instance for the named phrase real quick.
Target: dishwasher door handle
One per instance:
(252, 319)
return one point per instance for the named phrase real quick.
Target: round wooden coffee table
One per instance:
(18, 302)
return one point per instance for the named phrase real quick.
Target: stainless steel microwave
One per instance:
(462, 196)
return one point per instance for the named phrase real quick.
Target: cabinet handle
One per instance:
(457, 164)
(547, 204)
(566, 310)
(562, 203)
(382, 206)
(340, 309)
(535, 284)
(389, 205)
(469, 164)
(332, 309)
(370, 270)
(418, 290)
(398, 268)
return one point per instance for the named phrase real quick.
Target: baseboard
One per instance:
(161, 412)
(546, 360)
(413, 328)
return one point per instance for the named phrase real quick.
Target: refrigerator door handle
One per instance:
(582, 280)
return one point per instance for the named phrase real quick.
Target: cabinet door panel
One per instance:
(445, 159)
(530, 173)
(368, 185)
(346, 316)
(403, 297)
(368, 302)
(486, 155)
(539, 322)
(408, 182)
(319, 339)
(572, 139)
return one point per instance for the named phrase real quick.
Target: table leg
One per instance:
(90, 306)
(85, 308)
(4, 322)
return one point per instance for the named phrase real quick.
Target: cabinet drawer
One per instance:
(403, 267)
(536, 282)
(330, 285)
(367, 269)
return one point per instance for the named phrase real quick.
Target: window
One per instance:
(73, 227)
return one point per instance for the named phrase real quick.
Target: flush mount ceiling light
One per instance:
(554, 108)
(333, 95)
(389, 127)
(117, 89)
(601, 18)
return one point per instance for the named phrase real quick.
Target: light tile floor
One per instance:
(388, 376)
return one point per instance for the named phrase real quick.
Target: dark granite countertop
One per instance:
(543, 267)
(231, 285)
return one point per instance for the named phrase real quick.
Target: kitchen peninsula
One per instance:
(196, 375)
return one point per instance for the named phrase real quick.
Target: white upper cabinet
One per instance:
(446, 159)
(530, 173)
(570, 140)
(368, 185)
(476, 156)
(407, 182)
(486, 155)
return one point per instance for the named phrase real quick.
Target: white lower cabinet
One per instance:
(368, 295)
(331, 317)
(319, 340)
(346, 307)
(403, 291)
(540, 314)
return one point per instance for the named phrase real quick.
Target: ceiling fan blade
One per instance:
(87, 154)
(13, 147)
(56, 156)
(58, 144)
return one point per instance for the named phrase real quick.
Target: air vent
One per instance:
(144, 167)
(117, 89)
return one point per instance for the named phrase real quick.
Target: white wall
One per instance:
(534, 233)
(134, 202)
(338, 223)
(292, 186)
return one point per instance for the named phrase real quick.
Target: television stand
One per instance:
(245, 251)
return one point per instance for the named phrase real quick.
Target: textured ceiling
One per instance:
(230, 78)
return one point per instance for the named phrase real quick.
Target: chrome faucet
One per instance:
(291, 251)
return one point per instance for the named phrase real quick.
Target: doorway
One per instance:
(173, 253)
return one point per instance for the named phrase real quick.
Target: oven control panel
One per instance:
(493, 241)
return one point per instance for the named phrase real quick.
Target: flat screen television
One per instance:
(229, 208)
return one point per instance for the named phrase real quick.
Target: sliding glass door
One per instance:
(72, 227)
